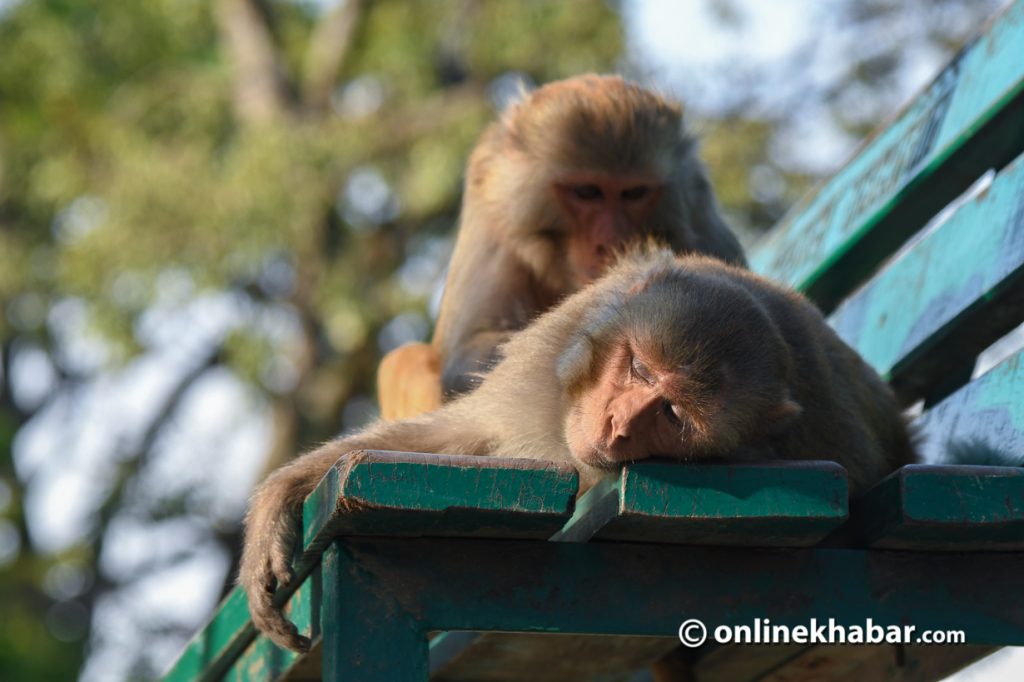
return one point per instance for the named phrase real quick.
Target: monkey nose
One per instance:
(614, 431)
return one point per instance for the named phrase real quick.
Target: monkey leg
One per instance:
(409, 381)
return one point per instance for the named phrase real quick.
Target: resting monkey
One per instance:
(576, 170)
(680, 357)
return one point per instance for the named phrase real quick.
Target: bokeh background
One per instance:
(216, 215)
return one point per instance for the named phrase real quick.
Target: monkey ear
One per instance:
(783, 414)
(574, 363)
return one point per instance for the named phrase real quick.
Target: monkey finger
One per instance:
(280, 566)
(288, 636)
(271, 621)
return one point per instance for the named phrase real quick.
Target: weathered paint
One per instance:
(368, 635)
(982, 422)
(646, 589)
(946, 508)
(389, 493)
(966, 121)
(969, 265)
(214, 646)
(401, 493)
(262, 660)
(770, 503)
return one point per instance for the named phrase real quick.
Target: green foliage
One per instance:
(134, 181)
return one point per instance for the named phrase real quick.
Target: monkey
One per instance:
(575, 170)
(681, 357)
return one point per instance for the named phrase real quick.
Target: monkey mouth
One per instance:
(601, 458)
(595, 456)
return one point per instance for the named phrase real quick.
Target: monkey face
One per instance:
(683, 366)
(637, 409)
(602, 213)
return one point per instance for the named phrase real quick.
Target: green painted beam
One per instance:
(982, 423)
(411, 494)
(949, 297)
(391, 493)
(368, 635)
(210, 651)
(781, 504)
(264, 661)
(967, 121)
(945, 508)
(650, 589)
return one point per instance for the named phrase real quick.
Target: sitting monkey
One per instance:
(681, 357)
(567, 176)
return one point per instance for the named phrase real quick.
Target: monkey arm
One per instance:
(271, 529)
(274, 522)
(482, 307)
(476, 356)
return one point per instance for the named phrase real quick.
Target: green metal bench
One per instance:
(456, 568)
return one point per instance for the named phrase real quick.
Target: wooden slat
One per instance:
(374, 492)
(551, 658)
(945, 508)
(415, 494)
(967, 121)
(648, 590)
(780, 504)
(264, 661)
(220, 640)
(835, 663)
(949, 297)
(877, 663)
(735, 662)
(981, 423)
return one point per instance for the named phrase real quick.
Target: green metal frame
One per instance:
(372, 601)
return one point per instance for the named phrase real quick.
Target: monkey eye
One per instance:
(638, 370)
(672, 412)
(587, 192)
(551, 234)
(634, 193)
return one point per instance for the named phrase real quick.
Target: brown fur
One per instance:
(757, 371)
(510, 258)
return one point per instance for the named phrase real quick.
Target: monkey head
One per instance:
(582, 167)
(687, 365)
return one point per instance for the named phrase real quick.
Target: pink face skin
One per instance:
(633, 412)
(604, 213)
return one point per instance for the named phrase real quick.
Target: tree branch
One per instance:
(328, 46)
(262, 89)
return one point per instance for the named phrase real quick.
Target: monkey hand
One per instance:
(271, 529)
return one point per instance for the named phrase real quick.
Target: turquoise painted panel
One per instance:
(647, 589)
(213, 647)
(264, 661)
(986, 78)
(368, 634)
(982, 423)
(977, 251)
(945, 508)
(385, 493)
(398, 493)
(764, 504)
